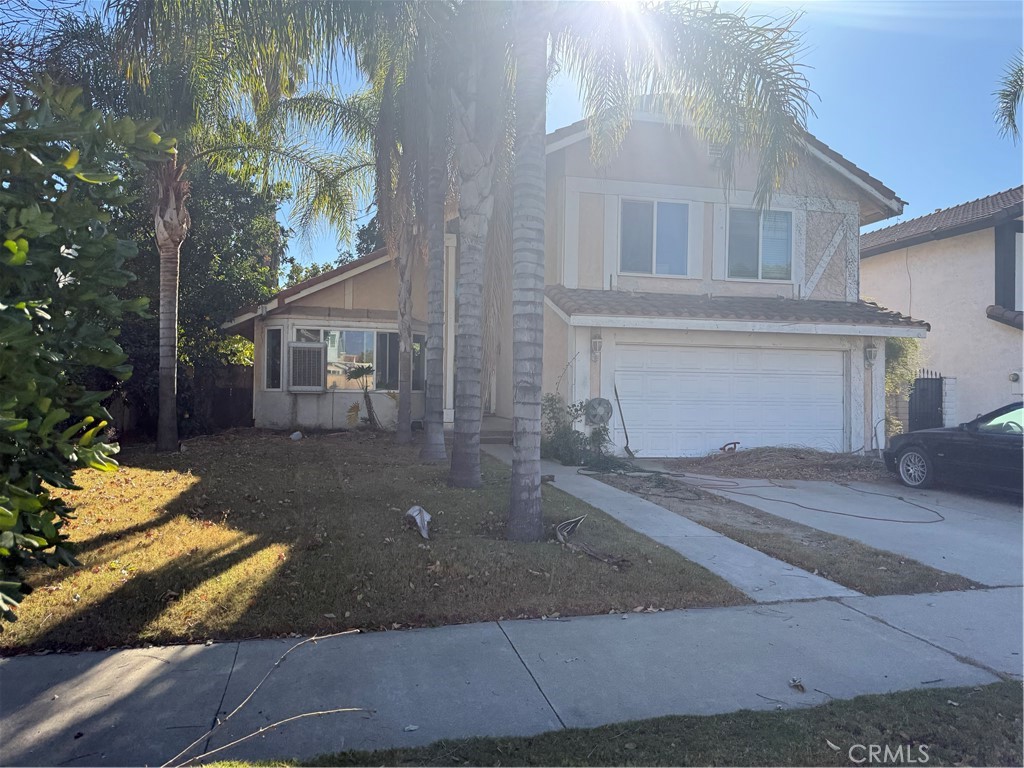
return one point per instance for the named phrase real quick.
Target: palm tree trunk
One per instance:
(171, 221)
(433, 446)
(525, 521)
(403, 262)
(476, 199)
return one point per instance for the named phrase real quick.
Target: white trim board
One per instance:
(742, 326)
(735, 198)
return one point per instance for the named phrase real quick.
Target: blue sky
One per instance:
(904, 90)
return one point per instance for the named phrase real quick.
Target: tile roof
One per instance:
(1011, 317)
(580, 301)
(960, 219)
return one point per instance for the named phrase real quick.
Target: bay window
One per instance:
(347, 349)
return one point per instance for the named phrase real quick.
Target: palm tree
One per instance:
(736, 80)
(479, 98)
(221, 75)
(433, 448)
(1008, 98)
(524, 515)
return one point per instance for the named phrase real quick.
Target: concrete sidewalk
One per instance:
(760, 577)
(143, 706)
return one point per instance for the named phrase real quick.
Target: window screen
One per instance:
(637, 236)
(388, 357)
(743, 243)
(387, 361)
(776, 245)
(671, 238)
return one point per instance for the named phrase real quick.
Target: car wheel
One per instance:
(915, 468)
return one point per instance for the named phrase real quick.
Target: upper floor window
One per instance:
(654, 237)
(760, 244)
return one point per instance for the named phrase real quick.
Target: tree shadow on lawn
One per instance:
(255, 535)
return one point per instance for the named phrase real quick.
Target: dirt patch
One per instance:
(787, 464)
(845, 561)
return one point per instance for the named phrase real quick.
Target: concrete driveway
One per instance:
(973, 535)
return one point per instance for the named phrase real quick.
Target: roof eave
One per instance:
(1000, 217)
(660, 322)
(307, 287)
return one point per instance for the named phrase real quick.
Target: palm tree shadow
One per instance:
(130, 609)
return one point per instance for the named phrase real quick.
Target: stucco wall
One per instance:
(376, 288)
(556, 350)
(554, 221)
(591, 239)
(659, 162)
(949, 283)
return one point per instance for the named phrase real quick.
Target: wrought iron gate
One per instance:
(926, 401)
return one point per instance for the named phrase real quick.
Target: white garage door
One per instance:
(689, 401)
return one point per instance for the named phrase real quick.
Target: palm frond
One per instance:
(329, 186)
(1008, 98)
(737, 80)
(352, 117)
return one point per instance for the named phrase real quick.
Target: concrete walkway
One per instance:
(957, 532)
(760, 577)
(143, 706)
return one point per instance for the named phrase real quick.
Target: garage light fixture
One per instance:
(595, 348)
(870, 354)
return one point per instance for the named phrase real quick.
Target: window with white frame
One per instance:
(388, 360)
(653, 237)
(346, 349)
(760, 245)
(272, 363)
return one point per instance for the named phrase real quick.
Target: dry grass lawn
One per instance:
(253, 535)
(787, 464)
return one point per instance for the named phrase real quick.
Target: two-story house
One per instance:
(701, 320)
(962, 269)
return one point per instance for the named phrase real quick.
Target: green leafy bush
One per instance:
(562, 442)
(60, 270)
(902, 362)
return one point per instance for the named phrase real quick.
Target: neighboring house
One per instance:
(705, 320)
(961, 269)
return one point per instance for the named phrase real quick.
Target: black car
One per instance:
(987, 452)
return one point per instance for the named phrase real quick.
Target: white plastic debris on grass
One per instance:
(417, 517)
(295, 435)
